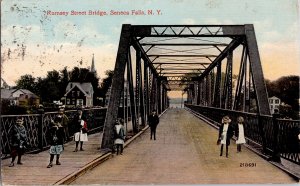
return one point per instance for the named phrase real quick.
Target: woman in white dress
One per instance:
(119, 136)
(239, 133)
(80, 130)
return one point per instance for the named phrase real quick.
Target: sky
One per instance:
(33, 42)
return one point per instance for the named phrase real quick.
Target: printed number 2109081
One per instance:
(247, 164)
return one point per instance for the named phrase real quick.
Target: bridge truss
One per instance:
(198, 59)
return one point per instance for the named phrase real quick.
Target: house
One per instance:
(79, 94)
(20, 97)
(274, 103)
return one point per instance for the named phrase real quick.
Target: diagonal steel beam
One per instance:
(233, 45)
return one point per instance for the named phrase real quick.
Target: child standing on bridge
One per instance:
(80, 126)
(18, 141)
(56, 140)
(225, 134)
(239, 133)
(119, 135)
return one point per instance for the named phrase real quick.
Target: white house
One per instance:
(274, 103)
(79, 94)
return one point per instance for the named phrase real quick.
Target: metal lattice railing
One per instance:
(37, 127)
(260, 130)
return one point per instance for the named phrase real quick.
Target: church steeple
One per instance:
(93, 65)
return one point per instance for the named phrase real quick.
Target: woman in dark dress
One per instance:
(225, 134)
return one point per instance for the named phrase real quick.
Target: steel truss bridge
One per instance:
(219, 68)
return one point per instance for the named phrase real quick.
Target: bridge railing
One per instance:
(37, 127)
(266, 133)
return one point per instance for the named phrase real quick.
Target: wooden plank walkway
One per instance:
(185, 152)
(34, 171)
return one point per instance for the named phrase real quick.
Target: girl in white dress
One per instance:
(239, 132)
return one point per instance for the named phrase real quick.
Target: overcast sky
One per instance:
(34, 43)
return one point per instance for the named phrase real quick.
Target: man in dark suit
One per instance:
(153, 122)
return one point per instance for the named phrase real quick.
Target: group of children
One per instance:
(226, 132)
(57, 134)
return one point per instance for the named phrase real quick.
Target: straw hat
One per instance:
(226, 119)
(240, 119)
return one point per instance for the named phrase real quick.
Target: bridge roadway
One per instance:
(185, 152)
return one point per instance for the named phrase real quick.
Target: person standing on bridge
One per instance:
(80, 130)
(18, 141)
(239, 133)
(225, 134)
(119, 135)
(65, 123)
(153, 122)
(56, 136)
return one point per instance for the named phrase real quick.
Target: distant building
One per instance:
(79, 94)
(20, 97)
(274, 103)
(93, 69)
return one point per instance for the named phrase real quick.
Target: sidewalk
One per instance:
(34, 170)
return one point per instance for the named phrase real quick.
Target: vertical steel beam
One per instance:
(153, 93)
(198, 93)
(141, 95)
(224, 93)
(201, 91)
(245, 86)
(209, 90)
(137, 85)
(257, 72)
(163, 98)
(217, 93)
(146, 92)
(240, 80)
(229, 81)
(205, 91)
(158, 95)
(227, 87)
(116, 89)
(131, 95)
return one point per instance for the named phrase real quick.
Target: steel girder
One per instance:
(177, 53)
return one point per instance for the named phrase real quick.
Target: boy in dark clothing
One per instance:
(153, 122)
(18, 141)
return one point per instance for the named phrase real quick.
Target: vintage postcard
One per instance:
(149, 92)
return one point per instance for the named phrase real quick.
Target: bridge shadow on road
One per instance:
(185, 152)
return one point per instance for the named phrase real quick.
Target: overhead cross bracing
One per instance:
(183, 50)
(198, 59)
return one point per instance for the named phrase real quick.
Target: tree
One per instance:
(106, 82)
(26, 82)
(286, 88)
(49, 87)
(64, 80)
